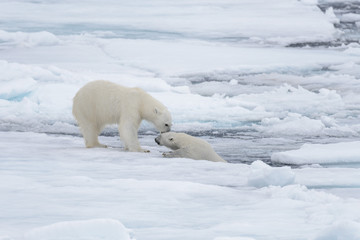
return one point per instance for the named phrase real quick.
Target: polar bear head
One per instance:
(168, 139)
(162, 120)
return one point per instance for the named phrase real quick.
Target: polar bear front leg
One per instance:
(129, 136)
(179, 153)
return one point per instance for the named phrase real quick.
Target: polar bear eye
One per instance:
(171, 139)
(166, 125)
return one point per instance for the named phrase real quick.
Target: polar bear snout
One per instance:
(167, 128)
(157, 140)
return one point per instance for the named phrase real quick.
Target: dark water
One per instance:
(247, 147)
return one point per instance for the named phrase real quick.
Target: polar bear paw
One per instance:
(169, 155)
(98, 145)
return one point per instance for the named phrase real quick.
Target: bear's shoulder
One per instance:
(187, 140)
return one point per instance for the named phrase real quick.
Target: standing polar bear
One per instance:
(186, 146)
(100, 103)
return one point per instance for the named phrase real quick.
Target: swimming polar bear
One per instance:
(100, 103)
(186, 146)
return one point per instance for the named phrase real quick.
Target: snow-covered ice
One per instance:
(52, 183)
(262, 175)
(88, 229)
(267, 83)
(336, 153)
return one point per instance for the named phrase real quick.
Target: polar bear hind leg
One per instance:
(90, 133)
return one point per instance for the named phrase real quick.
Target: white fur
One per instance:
(186, 146)
(100, 103)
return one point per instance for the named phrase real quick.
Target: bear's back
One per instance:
(103, 101)
(201, 149)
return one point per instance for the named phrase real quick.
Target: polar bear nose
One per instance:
(157, 140)
(167, 128)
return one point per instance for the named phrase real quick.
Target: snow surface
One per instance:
(88, 229)
(262, 175)
(243, 75)
(274, 20)
(345, 152)
(52, 186)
